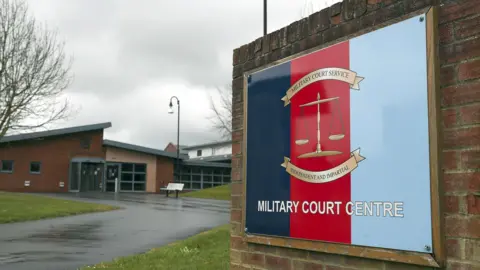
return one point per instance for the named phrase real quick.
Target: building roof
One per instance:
(54, 132)
(212, 158)
(202, 163)
(207, 145)
(174, 145)
(157, 152)
(181, 147)
(142, 149)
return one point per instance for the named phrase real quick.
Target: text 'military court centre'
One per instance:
(80, 159)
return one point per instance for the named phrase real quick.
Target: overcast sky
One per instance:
(130, 57)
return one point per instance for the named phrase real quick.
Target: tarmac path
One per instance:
(147, 221)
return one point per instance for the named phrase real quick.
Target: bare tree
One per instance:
(222, 111)
(308, 9)
(312, 6)
(33, 71)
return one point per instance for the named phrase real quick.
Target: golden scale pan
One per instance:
(334, 137)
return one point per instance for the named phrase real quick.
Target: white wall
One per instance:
(223, 150)
(206, 152)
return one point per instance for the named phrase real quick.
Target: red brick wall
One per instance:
(165, 168)
(459, 49)
(459, 28)
(54, 153)
(171, 148)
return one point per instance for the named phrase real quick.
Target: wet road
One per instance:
(68, 243)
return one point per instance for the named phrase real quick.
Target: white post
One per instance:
(116, 185)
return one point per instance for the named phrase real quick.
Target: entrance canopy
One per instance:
(88, 159)
(86, 174)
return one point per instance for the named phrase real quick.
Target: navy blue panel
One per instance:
(268, 141)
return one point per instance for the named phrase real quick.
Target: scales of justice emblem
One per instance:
(334, 137)
(351, 163)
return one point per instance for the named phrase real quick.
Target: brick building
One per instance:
(458, 48)
(80, 159)
(172, 148)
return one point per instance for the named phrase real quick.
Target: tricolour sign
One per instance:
(337, 143)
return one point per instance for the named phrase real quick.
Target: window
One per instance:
(186, 177)
(133, 177)
(35, 167)
(137, 186)
(207, 185)
(126, 186)
(127, 167)
(140, 168)
(7, 166)
(196, 170)
(207, 178)
(199, 153)
(127, 177)
(196, 185)
(226, 179)
(139, 178)
(207, 171)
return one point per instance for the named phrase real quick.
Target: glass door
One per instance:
(111, 177)
(91, 177)
(74, 183)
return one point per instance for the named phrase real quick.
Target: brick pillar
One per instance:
(459, 30)
(459, 50)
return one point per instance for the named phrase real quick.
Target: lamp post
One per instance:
(177, 169)
(264, 17)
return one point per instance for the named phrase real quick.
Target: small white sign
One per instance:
(61, 184)
(27, 183)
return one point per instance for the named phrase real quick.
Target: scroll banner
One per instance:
(339, 74)
(324, 176)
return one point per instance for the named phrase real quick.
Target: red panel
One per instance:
(325, 227)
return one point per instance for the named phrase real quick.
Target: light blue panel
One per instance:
(389, 122)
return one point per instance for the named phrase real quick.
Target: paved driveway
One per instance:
(68, 243)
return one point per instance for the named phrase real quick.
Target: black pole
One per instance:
(178, 141)
(177, 163)
(264, 17)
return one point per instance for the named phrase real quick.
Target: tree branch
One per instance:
(222, 110)
(34, 71)
(221, 117)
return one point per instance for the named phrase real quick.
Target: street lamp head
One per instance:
(170, 110)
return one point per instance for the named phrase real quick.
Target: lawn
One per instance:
(217, 193)
(16, 207)
(204, 251)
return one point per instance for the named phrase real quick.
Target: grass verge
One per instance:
(205, 251)
(218, 193)
(16, 207)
